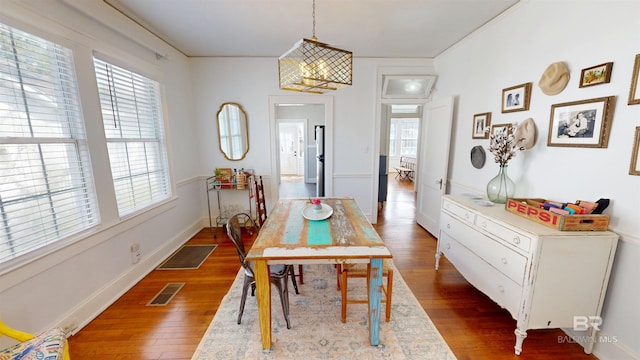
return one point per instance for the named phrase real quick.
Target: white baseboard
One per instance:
(606, 347)
(99, 301)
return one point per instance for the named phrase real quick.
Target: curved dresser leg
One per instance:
(438, 255)
(520, 335)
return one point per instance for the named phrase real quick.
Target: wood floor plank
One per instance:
(473, 325)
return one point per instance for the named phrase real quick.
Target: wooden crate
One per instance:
(530, 209)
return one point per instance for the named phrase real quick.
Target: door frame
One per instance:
(380, 100)
(325, 100)
(378, 135)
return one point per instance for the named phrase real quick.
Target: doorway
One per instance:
(400, 89)
(404, 131)
(293, 158)
(294, 167)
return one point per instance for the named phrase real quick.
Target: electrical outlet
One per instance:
(135, 253)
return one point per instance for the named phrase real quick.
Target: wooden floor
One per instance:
(472, 325)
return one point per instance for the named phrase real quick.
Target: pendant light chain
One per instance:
(313, 14)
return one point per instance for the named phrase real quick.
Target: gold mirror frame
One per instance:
(233, 137)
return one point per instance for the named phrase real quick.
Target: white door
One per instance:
(291, 138)
(433, 163)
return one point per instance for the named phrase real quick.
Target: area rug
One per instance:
(316, 330)
(188, 257)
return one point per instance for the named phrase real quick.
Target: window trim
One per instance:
(163, 140)
(65, 93)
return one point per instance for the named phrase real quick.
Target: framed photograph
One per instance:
(481, 122)
(634, 92)
(634, 168)
(496, 127)
(583, 123)
(596, 75)
(516, 98)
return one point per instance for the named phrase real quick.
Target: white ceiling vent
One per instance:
(407, 86)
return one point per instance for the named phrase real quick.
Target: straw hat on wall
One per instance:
(526, 134)
(554, 79)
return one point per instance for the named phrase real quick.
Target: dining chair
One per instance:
(261, 205)
(346, 271)
(50, 345)
(279, 274)
(261, 212)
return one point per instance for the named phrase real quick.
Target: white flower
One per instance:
(503, 144)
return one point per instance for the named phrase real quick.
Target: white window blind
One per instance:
(132, 116)
(46, 186)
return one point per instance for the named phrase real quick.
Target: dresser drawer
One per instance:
(459, 211)
(509, 236)
(501, 257)
(483, 276)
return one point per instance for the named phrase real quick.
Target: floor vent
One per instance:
(166, 294)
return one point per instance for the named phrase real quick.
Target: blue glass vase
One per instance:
(501, 187)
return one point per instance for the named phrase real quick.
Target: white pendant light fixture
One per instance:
(314, 67)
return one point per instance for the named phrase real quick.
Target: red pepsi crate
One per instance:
(532, 210)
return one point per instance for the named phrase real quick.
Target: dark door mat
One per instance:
(188, 257)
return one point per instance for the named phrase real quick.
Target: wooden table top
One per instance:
(346, 234)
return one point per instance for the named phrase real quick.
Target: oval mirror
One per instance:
(232, 131)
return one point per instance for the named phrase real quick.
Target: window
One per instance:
(133, 125)
(46, 185)
(409, 137)
(393, 130)
(403, 137)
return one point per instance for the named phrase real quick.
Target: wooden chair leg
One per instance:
(301, 274)
(338, 275)
(342, 285)
(388, 294)
(344, 296)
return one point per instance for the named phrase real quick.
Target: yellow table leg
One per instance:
(263, 296)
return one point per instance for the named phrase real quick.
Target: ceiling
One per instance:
(268, 28)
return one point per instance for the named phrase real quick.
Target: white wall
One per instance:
(516, 48)
(74, 284)
(250, 82)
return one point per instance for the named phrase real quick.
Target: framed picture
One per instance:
(596, 75)
(583, 123)
(634, 168)
(634, 92)
(516, 98)
(496, 127)
(481, 122)
(223, 174)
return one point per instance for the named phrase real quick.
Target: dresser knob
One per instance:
(466, 215)
(504, 261)
(448, 246)
(516, 240)
(501, 288)
(448, 226)
(484, 224)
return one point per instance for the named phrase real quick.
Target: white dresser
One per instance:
(542, 276)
